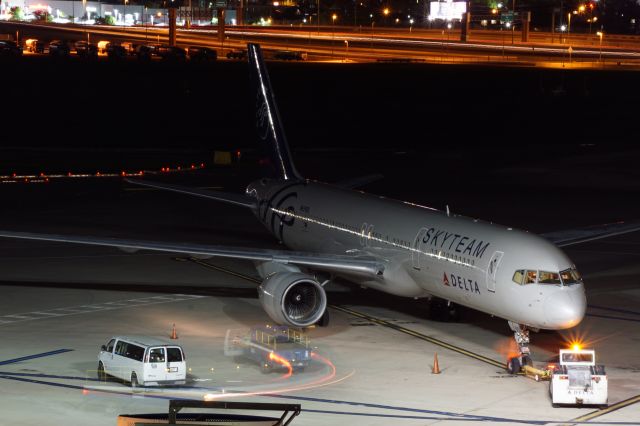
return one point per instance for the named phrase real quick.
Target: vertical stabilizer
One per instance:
(268, 124)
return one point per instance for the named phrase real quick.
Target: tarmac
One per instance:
(60, 303)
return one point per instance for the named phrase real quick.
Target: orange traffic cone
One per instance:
(174, 335)
(436, 367)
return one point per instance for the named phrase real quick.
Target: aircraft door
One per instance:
(417, 248)
(492, 270)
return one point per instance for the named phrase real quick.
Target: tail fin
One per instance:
(268, 124)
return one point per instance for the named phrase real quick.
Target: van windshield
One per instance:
(174, 355)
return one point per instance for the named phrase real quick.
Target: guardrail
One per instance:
(174, 418)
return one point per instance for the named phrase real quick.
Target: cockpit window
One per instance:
(518, 276)
(530, 277)
(549, 278)
(570, 276)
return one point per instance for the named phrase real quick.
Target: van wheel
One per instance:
(102, 376)
(135, 386)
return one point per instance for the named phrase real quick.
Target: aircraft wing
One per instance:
(231, 198)
(362, 265)
(582, 235)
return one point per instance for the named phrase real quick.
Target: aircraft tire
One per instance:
(324, 319)
(513, 365)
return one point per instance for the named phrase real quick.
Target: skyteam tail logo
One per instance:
(464, 284)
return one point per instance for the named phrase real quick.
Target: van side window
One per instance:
(174, 355)
(156, 355)
(134, 352)
(110, 345)
(120, 348)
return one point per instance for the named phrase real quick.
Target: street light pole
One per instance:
(372, 22)
(318, 17)
(333, 28)
(600, 34)
(568, 27)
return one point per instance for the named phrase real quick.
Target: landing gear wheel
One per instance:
(513, 365)
(443, 311)
(324, 319)
(102, 376)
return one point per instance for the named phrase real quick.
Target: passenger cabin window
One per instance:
(174, 355)
(549, 278)
(120, 348)
(518, 276)
(110, 345)
(530, 277)
(156, 355)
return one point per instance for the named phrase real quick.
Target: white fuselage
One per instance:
(426, 252)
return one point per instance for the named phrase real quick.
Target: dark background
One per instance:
(401, 106)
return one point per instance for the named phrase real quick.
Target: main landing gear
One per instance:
(521, 334)
(443, 310)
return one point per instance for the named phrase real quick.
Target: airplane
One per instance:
(392, 246)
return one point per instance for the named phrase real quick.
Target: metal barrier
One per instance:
(290, 411)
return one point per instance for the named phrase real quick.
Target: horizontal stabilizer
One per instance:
(582, 235)
(227, 197)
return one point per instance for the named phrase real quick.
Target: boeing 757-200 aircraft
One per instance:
(392, 246)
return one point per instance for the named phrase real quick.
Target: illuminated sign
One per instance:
(447, 10)
(39, 7)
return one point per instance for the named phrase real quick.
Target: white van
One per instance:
(142, 361)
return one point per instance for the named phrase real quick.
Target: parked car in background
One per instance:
(115, 51)
(102, 46)
(202, 54)
(144, 52)
(171, 53)
(60, 48)
(290, 55)
(85, 49)
(237, 54)
(10, 48)
(34, 45)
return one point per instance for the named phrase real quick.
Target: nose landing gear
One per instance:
(521, 335)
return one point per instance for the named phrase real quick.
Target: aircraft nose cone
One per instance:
(565, 309)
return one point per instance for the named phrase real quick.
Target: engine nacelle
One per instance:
(292, 298)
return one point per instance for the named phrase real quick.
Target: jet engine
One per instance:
(292, 298)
